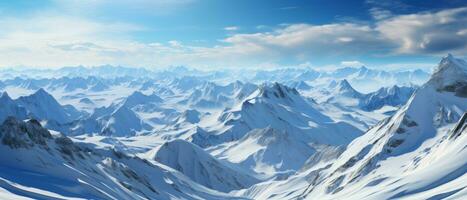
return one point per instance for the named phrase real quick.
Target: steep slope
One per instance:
(201, 167)
(78, 171)
(343, 88)
(407, 136)
(267, 151)
(418, 153)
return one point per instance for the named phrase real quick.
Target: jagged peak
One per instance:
(451, 76)
(5, 97)
(276, 89)
(136, 94)
(41, 92)
(450, 61)
(138, 97)
(123, 111)
(362, 69)
(19, 134)
(344, 86)
(344, 83)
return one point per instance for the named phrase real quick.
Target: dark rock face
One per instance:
(460, 127)
(459, 88)
(20, 134)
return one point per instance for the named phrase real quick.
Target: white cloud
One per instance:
(379, 13)
(427, 33)
(352, 63)
(231, 28)
(56, 41)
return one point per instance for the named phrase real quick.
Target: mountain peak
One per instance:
(276, 89)
(450, 75)
(5, 97)
(138, 98)
(41, 94)
(18, 134)
(344, 84)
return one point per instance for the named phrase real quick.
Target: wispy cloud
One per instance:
(427, 33)
(352, 63)
(231, 28)
(289, 8)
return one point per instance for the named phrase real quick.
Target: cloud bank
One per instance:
(56, 41)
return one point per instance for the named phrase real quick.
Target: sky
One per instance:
(231, 33)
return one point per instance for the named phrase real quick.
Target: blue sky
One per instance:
(240, 33)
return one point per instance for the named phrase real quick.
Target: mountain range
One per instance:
(296, 133)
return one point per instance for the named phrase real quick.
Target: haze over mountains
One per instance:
(297, 133)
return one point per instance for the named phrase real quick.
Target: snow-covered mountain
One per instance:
(279, 107)
(201, 167)
(390, 96)
(267, 151)
(139, 99)
(74, 170)
(112, 121)
(43, 106)
(8, 107)
(415, 154)
(122, 122)
(287, 133)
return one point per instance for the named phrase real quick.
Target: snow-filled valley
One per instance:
(112, 132)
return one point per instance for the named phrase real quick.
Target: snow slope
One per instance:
(418, 153)
(281, 108)
(43, 106)
(200, 166)
(30, 154)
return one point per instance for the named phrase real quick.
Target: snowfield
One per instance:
(122, 133)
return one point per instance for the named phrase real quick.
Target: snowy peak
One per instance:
(277, 90)
(43, 106)
(5, 98)
(390, 96)
(123, 122)
(42, 94)
(8, 107)
(200, 166)
(343, 87)
(450, 76)
(138, 98)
